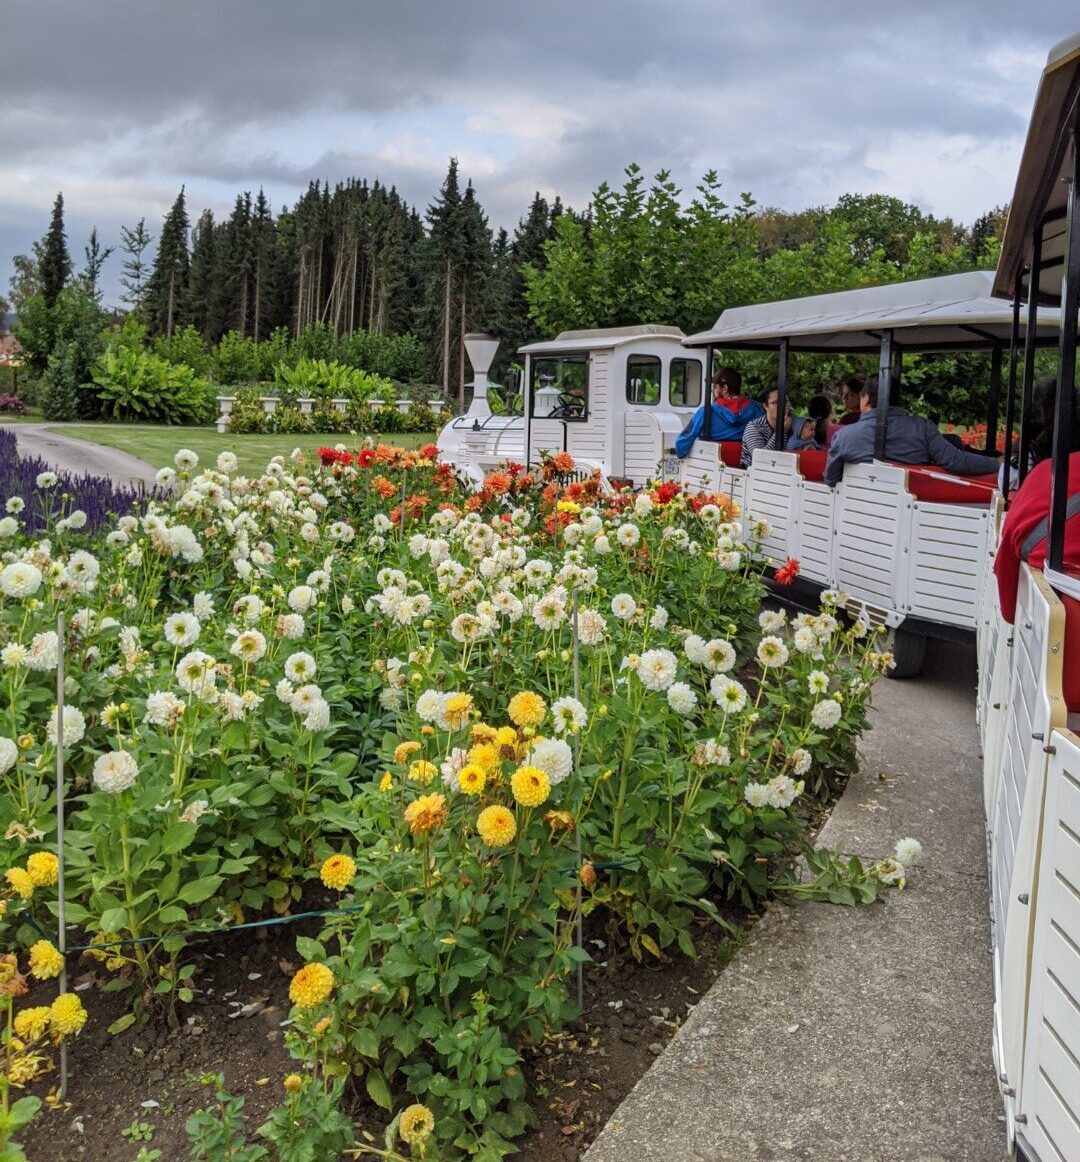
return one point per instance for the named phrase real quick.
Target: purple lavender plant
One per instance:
(97, 496)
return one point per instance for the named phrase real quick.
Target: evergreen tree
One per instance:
(199, 305)
(166, 290)
(95, 260)
(264, 273)
(475, 270)
(444, 253)
(54, 264)
(134, 270)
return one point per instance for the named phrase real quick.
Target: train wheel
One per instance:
(909, 650)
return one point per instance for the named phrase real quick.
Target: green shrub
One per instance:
(136, 385)
(60, 385)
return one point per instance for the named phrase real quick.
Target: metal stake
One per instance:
(62, 935)
(577, 829)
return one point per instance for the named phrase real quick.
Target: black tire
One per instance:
(909, 650)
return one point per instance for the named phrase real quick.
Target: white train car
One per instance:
(1029, 680)
(612, 397)
(905, 543)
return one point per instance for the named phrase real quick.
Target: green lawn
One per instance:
(157, 445)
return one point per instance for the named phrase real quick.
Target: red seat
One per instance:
(812, 463)
(934, 485)
(1070, 685)
(730, 452)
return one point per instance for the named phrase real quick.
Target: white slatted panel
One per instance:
(948, 547)
(873, 522)
(994, 677)
(733, 484)
(701, 468)
(1050, 1085)
(544, 436)
(643, 448)
(813, 539)
(772, 494)
(591, 440)
(1017, 814)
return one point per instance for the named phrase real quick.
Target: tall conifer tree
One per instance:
(166, 291)
(54, 265)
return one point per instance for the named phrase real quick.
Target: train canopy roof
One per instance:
(599, 338)
(1041, 185)
(955, 312)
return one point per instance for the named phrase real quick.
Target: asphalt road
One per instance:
(63, 452)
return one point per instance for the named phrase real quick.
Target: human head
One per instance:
(869, 396)
(850, 390)
(1041, 422)
(769, 400)
(819, 407)
(727, 382)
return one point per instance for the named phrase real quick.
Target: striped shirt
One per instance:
(756, 434)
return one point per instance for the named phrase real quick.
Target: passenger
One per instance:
(1040, 429)
(908, 440)
(762, 433)
(850, 394)
(815, 431)
(730, 413)
(1027, 523)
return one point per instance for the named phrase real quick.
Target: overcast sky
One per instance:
(118, 102)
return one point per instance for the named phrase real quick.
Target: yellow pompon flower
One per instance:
(404, 749)
(43, 868)
(293, 1083)
(471, 779)
(570, 506)
(386, 783)
(422, 771)
(481, 732)
(67, 1015)
(426, 813)
(311, 985)
(32, 1023)
(559, 821)
(338, 872)
(457, 709)
(530, 786)
(496, 826)
(24, 1069)
(20, 882)
(417, 1125)
(485, 755)
(527, 709)
(45, 960)
(506, 739)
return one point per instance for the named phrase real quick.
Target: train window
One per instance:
(643, 379)
(560, 388)
(685, 383)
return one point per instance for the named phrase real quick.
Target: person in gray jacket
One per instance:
(908, 440)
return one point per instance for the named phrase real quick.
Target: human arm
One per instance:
(684, 441)
(834, 462)
(948, 456)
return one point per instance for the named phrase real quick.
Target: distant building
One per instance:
(10, 352)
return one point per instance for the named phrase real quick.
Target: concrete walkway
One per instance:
(64, 452)
(853, 1034)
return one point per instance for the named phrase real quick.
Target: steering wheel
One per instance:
(570, 407)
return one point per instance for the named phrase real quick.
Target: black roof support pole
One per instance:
(993, 403)
(1010, 393)
(1029, 350)
(781, 393)
(884, 394)
(1066, 384)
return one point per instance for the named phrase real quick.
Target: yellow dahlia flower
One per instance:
(311, 985)
(426, 813)
(417, 1125)
(67, 1015)
(481, 732)
(497, 826)
(404, 749)
(386, 783)
(45, 960)
(32, 1023)
(471, 779)
(422, 771)
(20, 882)
(486, 756)
(457, 709)
(24, 1069)
(338, 872)
(293, 1083)
(43, 868)
(530, 786)
(527, 709)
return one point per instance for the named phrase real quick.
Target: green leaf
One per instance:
(122, 1023)
(378, 1090)
(199, 890)
(178, 836)
(366, 1043)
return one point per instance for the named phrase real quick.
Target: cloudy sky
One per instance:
(118, 102)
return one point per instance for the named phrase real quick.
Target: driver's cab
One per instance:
(610, 396)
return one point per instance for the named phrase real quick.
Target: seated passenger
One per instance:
(850, 393)
(815, 431)
(1027, 524)
(1040, 430)
(729, 413)
(908, 440)
(762, 433)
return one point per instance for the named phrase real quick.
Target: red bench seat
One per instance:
(933, 485)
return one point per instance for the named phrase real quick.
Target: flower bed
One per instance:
(467, 721)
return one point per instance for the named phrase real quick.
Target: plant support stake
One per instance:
(61, 942)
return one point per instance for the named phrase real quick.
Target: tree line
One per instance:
(356, 258)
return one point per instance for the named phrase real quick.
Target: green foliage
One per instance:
(60, 385)
(135, 385)
(217, 1133)
(310, 1125)
(319, 379)
(186, 346)
(54, 265)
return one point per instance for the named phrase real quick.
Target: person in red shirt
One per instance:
(1030, 505)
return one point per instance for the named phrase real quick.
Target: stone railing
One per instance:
(270, 403)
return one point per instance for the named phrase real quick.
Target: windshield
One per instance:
(560, 387)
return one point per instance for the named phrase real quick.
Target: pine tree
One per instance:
(54, 265)
(265, 269)
(199, 304)
(134, 270)
(95, 260)
(166, 290)
(444, 250)
(475, 266)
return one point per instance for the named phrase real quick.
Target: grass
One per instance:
(157, 445)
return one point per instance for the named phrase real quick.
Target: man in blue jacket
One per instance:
(729, 413)
(908, 440)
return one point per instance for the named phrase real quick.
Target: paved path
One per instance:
(853, 1034)
(60, 451)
